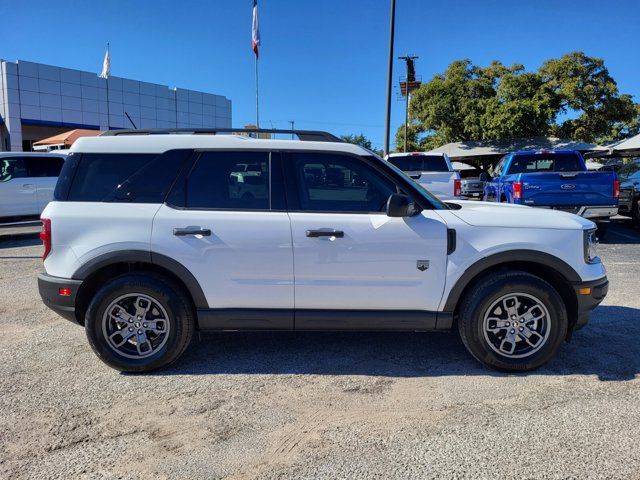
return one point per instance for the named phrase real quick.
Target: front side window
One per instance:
(229, 181)
(338, 183)
(11, 168)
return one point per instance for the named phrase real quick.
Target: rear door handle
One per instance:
(415, 176)
(325, 233)
(28, 185)
(183, 232)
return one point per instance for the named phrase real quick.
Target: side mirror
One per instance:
(484, 177)
(400, 206)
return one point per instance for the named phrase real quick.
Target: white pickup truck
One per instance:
(432, 170)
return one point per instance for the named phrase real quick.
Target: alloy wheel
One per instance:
(516, 325)
(135, 325)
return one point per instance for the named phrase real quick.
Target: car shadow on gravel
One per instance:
(607, 347)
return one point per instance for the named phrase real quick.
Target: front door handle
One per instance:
(28, 185)
(183, 232)
(325, 233)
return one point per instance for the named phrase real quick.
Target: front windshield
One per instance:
(437, 203)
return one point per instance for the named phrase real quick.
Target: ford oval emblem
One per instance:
(567, 186)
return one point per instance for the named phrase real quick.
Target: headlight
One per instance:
(591, 246)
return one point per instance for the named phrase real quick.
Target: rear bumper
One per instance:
(589, 295)
(63, 305)
(598, 212)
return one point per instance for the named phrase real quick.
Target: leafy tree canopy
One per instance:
(571, 97)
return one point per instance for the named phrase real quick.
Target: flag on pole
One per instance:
(106, 64)
(255, 31)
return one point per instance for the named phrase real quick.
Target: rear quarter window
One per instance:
(118, 177)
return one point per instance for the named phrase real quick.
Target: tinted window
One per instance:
(44, 166)
(113, 177)
(420, 163)
(230, 181)
(339, 183)
(556, 162)
(11, 168)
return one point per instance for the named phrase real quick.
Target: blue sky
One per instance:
(322, 63)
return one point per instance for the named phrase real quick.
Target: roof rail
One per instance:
(303, 135)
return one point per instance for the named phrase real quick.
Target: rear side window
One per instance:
(229, 181)
(420, 163)
(553, 162)
(43, 166)
(116, 177)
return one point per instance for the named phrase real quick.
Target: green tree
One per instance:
(469, 102)
(589, 96)
(361, 140)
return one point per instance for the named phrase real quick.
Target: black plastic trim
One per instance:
(451, 241)
(141, 256)
(586, 303)
(530, 256)
(331, 320)
(245, 319)
(403, 320)
(49, 286)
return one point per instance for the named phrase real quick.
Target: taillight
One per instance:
(517, 190)
(457, 187)
(616, 188)
(45, 236)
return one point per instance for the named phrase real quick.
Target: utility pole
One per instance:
(409, 81)
(392, 22)
(293, 127)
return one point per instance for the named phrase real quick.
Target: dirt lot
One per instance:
(318, 405)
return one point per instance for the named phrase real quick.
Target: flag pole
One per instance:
(257, 97)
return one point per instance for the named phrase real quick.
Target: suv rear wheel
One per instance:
(513, 321)
(139, 322)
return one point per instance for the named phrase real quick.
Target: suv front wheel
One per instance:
(139, 322)
(513, 321)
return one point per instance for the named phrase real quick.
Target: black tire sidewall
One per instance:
(471, 326)
(168, 295)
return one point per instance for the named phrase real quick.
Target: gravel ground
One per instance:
(318, 405)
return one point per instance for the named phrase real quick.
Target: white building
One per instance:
(38, 101)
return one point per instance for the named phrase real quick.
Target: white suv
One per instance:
(148, 239)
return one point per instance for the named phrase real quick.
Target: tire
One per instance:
(480, 304)
(167, 331)
(635, 212)
(601, 231)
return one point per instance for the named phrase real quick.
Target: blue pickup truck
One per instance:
(555, 179)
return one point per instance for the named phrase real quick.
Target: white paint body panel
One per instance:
(18, 196)
(247, 262)
(441, 184)
(374, 266)
(81, 231)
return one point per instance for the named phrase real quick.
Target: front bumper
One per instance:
(589, 295)
(63, 305)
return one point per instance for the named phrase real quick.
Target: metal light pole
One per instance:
(409, 80)
(392, 23)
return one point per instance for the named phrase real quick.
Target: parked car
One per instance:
(146, 242)
(471, 185)
(629, 202)
(27, 181)
(556, 179)
(431, 170)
